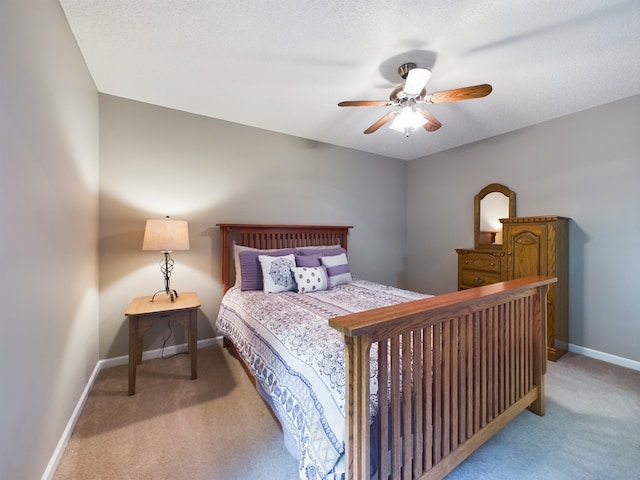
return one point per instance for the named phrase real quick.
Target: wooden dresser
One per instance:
(531, 246)
(479, 267)
(540, 246)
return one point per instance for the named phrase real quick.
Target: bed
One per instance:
(378, 380)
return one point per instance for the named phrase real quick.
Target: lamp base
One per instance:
(166, 266)
(172, 294)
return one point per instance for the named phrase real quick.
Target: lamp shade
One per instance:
(166, 235)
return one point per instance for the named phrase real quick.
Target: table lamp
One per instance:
(166, 235)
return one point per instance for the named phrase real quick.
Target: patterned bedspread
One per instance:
(298, 360)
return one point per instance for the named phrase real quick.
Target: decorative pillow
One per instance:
(324, 251)
(308, 260)
(250, 269)
(276, 273)
(236, 261)
(337, 269)
(311, 279)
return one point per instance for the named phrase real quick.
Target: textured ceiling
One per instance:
(283, 65)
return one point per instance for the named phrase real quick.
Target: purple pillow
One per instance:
(308, 261)
(250, 269)
(324, 252)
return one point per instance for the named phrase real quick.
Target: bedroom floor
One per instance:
(217, 427)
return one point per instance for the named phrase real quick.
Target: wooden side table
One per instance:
(142, 313)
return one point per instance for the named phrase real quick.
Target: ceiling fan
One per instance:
(411, 96)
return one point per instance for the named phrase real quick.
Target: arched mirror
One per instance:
(493, 202)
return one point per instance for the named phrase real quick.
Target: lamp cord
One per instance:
(164, 344)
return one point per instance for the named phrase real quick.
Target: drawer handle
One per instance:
(479, 281)
(163, 315)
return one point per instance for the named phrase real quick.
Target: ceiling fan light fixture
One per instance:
(417, 78)
(407, 121)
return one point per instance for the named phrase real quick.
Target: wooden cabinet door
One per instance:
(540, 246)
(527, 249)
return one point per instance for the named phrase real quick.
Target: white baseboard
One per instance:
(157, 353)
(71, 424)
(605, 357)
(107, 363)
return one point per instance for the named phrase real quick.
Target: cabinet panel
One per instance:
(527, 247)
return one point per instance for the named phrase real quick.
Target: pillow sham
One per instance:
(250, 269)
(236, 260)
(308, 260)
(276, 273)
(337, 269)
(310, 279)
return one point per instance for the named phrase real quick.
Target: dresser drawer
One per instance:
(487, 262)
(476, 278)
(479, 267)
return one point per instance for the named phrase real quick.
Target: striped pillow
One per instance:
(337, 269)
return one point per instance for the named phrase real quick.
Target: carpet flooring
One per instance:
(217, 427)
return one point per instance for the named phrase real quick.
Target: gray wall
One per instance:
(584, 166)
(156, 162)
(49, 218)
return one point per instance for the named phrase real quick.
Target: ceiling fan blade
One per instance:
(432, 123)
(465, 93)
(381, 122)
(365, 103)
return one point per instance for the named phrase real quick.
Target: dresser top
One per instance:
(543, 218)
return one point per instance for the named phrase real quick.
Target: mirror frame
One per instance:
(491, 188)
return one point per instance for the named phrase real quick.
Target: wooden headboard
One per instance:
(275, 236)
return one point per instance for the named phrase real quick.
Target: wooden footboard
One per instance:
(459, 367)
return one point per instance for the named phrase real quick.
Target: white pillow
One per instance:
(337, 269)
(310, 279)
(276, 273)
